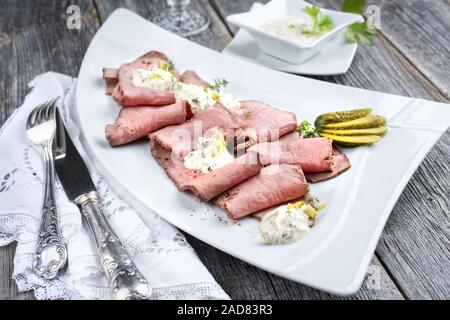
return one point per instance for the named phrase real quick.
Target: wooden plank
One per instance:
(216, 37)
(415, 245)
(8, 288)
(34, 39)
(244, 281)
(419, 29)
(384, 68)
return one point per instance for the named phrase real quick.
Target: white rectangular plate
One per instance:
(335, 255)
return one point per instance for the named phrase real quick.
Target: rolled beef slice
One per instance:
(314, 154)
(261, 122)
(180, 138)
(128, 95)
(138, 122)
(341, 164)
(205, 185)
(275, 184)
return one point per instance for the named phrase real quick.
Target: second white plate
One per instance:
(335, 58)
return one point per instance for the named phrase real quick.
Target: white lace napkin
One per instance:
(159, 250)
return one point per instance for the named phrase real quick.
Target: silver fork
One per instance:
(51, 252)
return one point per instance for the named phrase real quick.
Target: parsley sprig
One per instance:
(359, 32)
(168, 66)
(306, 129)
(321, 22)
(218, 84)
(353, 6)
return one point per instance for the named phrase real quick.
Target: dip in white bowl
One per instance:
(276, 44)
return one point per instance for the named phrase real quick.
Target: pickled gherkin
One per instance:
(351, 128)
(352, 140)
(380, 131)
(371, 121)
(340, 116)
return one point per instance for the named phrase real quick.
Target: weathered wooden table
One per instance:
(411, 57)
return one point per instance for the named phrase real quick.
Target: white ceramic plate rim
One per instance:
(331, 266)
(323, 70)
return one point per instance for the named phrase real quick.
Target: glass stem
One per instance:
(178, 7)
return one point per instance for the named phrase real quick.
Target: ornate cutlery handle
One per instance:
(51, 253)
(125, 280)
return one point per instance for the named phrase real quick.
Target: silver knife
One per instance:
(125, 280)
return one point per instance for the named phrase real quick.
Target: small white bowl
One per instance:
(279, 47)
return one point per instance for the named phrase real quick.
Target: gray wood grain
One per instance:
(419, 29)
(244, 281)
(413, 247)
(216, 37)
(8, 288)
(34, 39)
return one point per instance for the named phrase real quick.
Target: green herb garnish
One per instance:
(315, 203)
(168, 66)
(218, 84)
(306, 129)
(359, 32)
(353, 6)
(321, 22)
